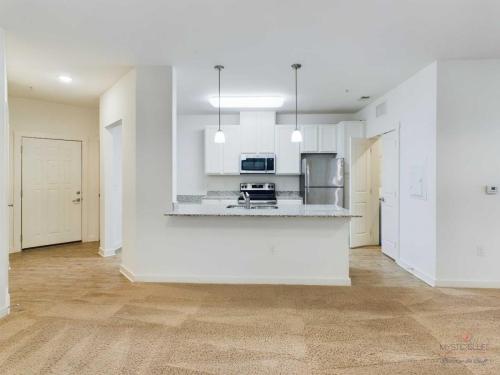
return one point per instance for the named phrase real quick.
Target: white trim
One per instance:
(4, 311)
(127, 273)
(417, 273)
(232, 279)
(448, 283)
(108, 252)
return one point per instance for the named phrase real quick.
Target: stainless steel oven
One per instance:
(257, 163)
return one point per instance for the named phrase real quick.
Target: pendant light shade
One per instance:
(296, 135)
(219, 135)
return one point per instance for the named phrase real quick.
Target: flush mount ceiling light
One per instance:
(296, 134)
(219, 135)
(248, 101)
(65, 79)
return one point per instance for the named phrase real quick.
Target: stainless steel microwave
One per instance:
(257, 163)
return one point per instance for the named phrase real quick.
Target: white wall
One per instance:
(412, 107)
(118, 106)
(468, 159)
(143, 102)
(190, 155)
(4, 178)
(44, 119)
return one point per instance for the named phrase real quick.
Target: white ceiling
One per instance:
(363, 46)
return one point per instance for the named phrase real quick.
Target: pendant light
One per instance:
(296, 135)
(219, 135)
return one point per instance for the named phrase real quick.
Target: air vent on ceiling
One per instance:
(381, 109)
(365, 97)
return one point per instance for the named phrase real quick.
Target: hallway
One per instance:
(73, 313)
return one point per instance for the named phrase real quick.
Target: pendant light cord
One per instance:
(296, 102)
(219, 68)
(296, 67)
(219, 99)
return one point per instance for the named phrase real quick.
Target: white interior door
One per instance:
(360, 192)
(51, 191)
(390, 194)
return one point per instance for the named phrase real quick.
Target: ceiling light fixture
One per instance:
(65, 79)
(219, 135)
(296, 135)
(248, 101)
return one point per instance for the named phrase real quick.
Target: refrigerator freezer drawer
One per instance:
(324, 196)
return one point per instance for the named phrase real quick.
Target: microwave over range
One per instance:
(258, 163)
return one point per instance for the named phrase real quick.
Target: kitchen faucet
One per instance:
(246, 197)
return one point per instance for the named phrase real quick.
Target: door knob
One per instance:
(382, 199)
(77, 200)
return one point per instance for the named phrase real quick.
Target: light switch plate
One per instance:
(491, 189)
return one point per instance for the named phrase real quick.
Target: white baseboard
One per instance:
(127, 273)
(417, 273)
(448, 283)
(232, 279)
(4, 311)
(108, 252)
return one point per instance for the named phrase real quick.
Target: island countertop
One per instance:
(286, 210)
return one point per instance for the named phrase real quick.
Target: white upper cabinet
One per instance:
(327, 138)
(318, 138)
(231, 150)
(213, 152)
(309, 138)
(257, 131)
(287, 152)
(347, 130)
(222, 158)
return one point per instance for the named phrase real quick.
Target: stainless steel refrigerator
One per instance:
(322, 179)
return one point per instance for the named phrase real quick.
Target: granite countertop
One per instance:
(292, 210)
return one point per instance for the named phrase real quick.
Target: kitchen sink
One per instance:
(255, 207)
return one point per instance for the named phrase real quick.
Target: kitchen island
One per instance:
(294, 244)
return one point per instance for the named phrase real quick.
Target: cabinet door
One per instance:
(249, 132)
(327, 138)
(231, 164)
(266, 122)
(287, 152)
(310, 138)
(213, 152)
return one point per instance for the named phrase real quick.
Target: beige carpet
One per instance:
(73, 313)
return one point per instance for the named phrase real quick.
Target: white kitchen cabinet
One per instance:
(345, 131)
(257, 131)
(327, 138)
(309, 138)
(318, 138)
(222, 158)
(213, 152)
(287, 152)
(231, 150)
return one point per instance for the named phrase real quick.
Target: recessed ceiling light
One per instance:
(65, 79)
(247, 101)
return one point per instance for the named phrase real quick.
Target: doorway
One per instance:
(111, 241)
(51, 191)
(374, 192)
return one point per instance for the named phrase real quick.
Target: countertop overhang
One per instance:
(286, 210)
